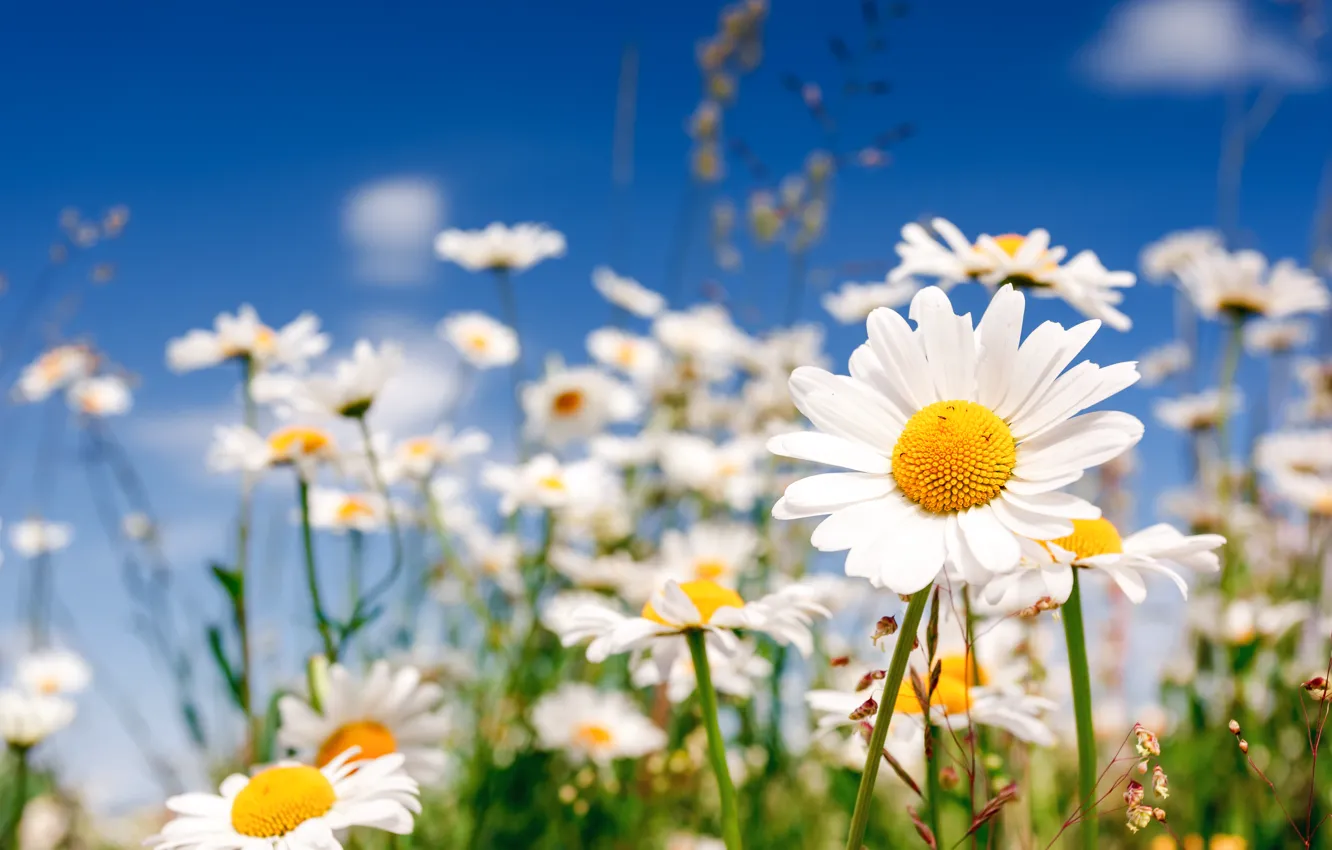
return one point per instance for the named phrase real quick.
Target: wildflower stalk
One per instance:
(933, 789)
(707, 697)
(240, 610)
(509, 309)
(1229, 370)
(1080, 674)
(18, 796)
(312, 575)
(896, 670)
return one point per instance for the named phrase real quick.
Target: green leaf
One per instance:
(232, 581)
(224, 665)
(268, 734)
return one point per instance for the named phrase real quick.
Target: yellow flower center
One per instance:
(1091, 537)
(709, 569)
(551, 482)
(373, 738)
(48, 686)
(1323, 505)
(707, 597)
(593, 736)
(279, 799)
(298, 440)
(953, 455)
(626, 354)
(265, 340)
(953, 691)
(419, 447)
(352, 509)
(567, 403)
(1010, 242)
(478, 342)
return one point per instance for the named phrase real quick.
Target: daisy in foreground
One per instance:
(294, 807)
(958, 441)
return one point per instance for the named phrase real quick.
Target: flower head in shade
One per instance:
(1315, 379)
(703, 337)
(1276, 336)
(1241, 284)
(853, 302)
(362, 719)
(1165, 258)
(104, 395)
(627, 293)
(28, 718)
(53, 672)
(54, 370)
(244, 336)
(482, 341)
(500, 247)
(637, 357)
(576, 403)
(959, 441)
(591, 725)
(1197, 411)
(292, 806)
(348, 391)
(33, 537)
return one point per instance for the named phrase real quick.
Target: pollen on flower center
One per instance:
(593, 735)
(953, 455)
(567, 403)
(626, 354)
(373, 738)
(953, 690)
(294, 441)
(478, 342)
(279, 799)
(707, 597)
(1091, 537)
(352, 509)
(1010, 242)
(709, 569)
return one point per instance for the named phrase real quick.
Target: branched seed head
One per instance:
(1318, 688)
(886, 627)
(1160, 785)
(1234, 727)
(1133, 793)
(868, 708)
(870, 678)
(1148, 745)
(1138, 817)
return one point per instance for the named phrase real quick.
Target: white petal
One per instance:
(993, 545)
(856, 524)
(841, 405)
(829, 449)
(902, 357)
(1028, 523)
(1078, 443)
(1054, 505)
(998, 335)
(949, 343)
(825, 493)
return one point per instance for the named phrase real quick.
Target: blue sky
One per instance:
(236, 135)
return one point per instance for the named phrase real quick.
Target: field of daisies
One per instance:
(714, 590)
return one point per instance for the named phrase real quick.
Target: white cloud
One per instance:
(390, 225)
(1194, 46)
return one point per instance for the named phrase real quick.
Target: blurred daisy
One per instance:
(104, 395)
(33, 537)
(1163, 259)
(28, 718)
(482, 341)
(1294, 452)
(591, 725)
(1242, 285)
(612, 572)
(358, 720)
(54, 370)
(342, 511)
(497, 557)
(627, 293)
(733, 673)
(349, 391)
(725, 473)
(539, 482)
(418, 458)
(1276, 336)
(558, 612)
(500, 247)
(704, 337)
(617, 451)
(1239, 622)
(53, 672)
(637, 357)
(236, 448)
(1315, 378)
(575, 403)
(243, 336)
(1166, 361)
(1090, 288)
(853, 302)
(959, 441)
(952, 261)
(293, 806)
(711, 551)
(1197, 411)
(1312, 493)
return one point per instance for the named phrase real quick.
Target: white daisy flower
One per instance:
(1014, 257)
(1166, 361)
(342, 511)
(1163, 259)
(637, 357)
(418, 458)
(1197, 411)
(1047, 568)
(853, 302)
(1312, 493)
(1240, 284)
(33, 537)
(1239, 622)
(1276, 336)
(53, 672)
(617, 571)
(481, 340)
(572, 404)
(54, 370)
(726, 472)
(497, 557)
(627, 293)
(558, 612)
(1090, 288)
(349, 391)
(104, 395)
(959, 441)
(733, 673)
(500, 247)
(1315, 378)
(359, 720)
(704, 337)
(244, 336)
(28, 718)
(539, 482)
(953, 261)
(591, 725)
(712, 551)
(613, 450)
(294, 806)
(237, 448)
(1295, 452)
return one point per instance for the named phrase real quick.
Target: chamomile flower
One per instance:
(591, 725)
(1090, 288)
(342, 511)
(1165, 258)
(1295, 452)
(418, 458)
(1197, 411)
(53, 371)
(1239, 622)
(1312, 493)
(710, 551)
(363, 719)
(1166, 361)
(959, 441)
(244, 336)
(28, 718)
(237, 448)
(53, 672)
(627, 293)
(104, 395)
(1241, 285)
(497, 557)
(576, 403)
(349, 391)
(1276, 336)
(500, 247)
(703, 337)
(539, 482)
(617, 572)
(726, 472)
(481, 340)
(637, 357)
(853, 302)
(33, 537)
(733, 673)
(953, 261)
(292, 806)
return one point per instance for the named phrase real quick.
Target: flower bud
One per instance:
(1243, 745)
(868, 708)
(948, 778)
(1148, 745)
(1234, 727)
(1133, 793)
(886, 627)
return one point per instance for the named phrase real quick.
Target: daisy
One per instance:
(1295, 452)
(1047, 568)
(237, 448)
(482, 341)
(1166, 361)
(1090, 288)
(959, 441)
(539, 482)
(1315, 377)
(704, 337)
(387, 712)
(617, 572)
(45, 824)
(28, 718)
(853, 302)
(33, 537)
(294, 806)
(1276, 336)
(733, 673)
(725, 473)
(1163, 259)
(105, 395)
(500, 247)
(1197, 411)
(1240, 622)
(613, 450)
(1241, 285)
(341, 511)
(349, 391)
(497, 557)
(572, 404)
(637, 357)
(1312, 493)
(57, 368)
(243, 336)
(953, 261)
(591, 725)
(53, 672)
(418, 458)
(711, 551)
(627, 293)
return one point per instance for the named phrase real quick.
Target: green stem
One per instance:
(395, 534)
(906, 637)
(934, 750)
(240, 610)
(707, 698)
(509, 310)
(312, 575)
(19, 792)
(1080, 673)
(1229, 371)
(355, 566)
